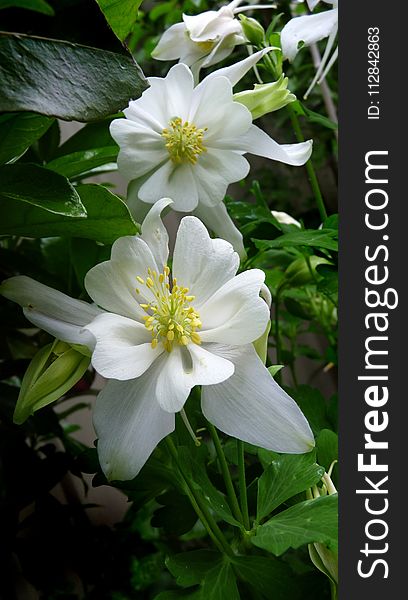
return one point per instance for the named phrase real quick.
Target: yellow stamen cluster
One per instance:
(184, 141)
(170, 316)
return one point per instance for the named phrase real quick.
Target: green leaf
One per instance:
(285, 477)
(36, 5)
(273, 369)
(220, 583)
(121, 15)
(36, 186)
(327, 444)
(91, 135)
(313, 117)
(190, 568)
(18, 132)
(322, 238)
(107, 218)
(268, 576)
(65, 80)
(82, 162)
(313, 406)
(305, 523)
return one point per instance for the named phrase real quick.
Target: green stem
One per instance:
(232, 497)
(199, 505)
(314, 182)
(242, 485)
(277, 338)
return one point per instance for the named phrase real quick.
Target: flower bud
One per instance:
(53, 371)
(302, 272)
(266, 97)
(253, 30)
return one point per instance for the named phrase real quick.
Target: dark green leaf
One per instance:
(190, 568)
(313, 405)
(327, 444)
(268, 576)
(121, 15)
(108, 218)
(91, 135)
(36, 5)
(285, 477)
(65, 80)
(313, 117)
(307, 522)
(18, 132)
(220, 583)
(82, 162)
(322, 238)
(36, 186)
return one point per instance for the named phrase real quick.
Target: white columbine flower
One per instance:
(310, 29)
(205, 39)
(159, 335)
(188, 142)
(284, 218)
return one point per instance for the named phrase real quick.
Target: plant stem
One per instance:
(314, 182)
(199, 505)
(232, 497)
(242, 485)
(277, 338)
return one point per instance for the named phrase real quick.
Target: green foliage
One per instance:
(37, 76)
(40, 6)
(18, 132)
(121, 16)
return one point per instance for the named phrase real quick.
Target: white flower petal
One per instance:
(213, 108)
(176, 90)
(218, 220)
(307, 29)
(155, 234)
(141, 148)
(252, 407)
(201, 264)
(184, 368)
(312, 3)
(123, 347)
(176, 182)
(174, 42)
(259, 143)
(51, 310)
(212, 179)
(129, 424)
(237, 71)
(113, 284)
(236, 314)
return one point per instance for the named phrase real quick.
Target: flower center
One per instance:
(170, 316)
(184, 141)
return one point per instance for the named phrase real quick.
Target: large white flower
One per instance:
(159, 335)
(205, 39)
(310, 29)
(188, 142)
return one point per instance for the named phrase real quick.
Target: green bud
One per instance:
(266, 97)
(261, 344)
(53, 371)
(301, 273)
(253, 30)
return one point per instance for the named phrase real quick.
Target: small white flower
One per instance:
(203, 40)
(310, 29)
(159, 335)
(188, 142)
(284, 218)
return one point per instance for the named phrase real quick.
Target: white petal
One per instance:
(141, 148)
(236, 314)
(55, 312)
(252, 407)
(215, 170)
(283, 217)
(218, 220)
(307, 29)
(129, 424)
(213, 108)
(313, 3)
(113, 284)
(123, 347)
(155, 234)
(175, 89)
(184, 368)
(176, 182)
(236, 71)
(172, 44)
(259, 143)
(197, 25)
(201, 264)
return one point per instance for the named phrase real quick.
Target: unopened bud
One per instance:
(266, 97)
(53, 371)
(253, 30)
